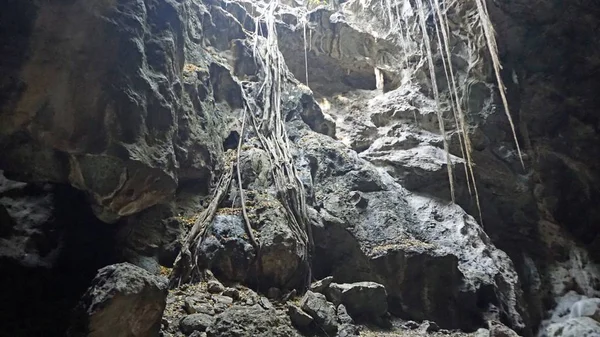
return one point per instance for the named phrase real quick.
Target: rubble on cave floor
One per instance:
(209, 308)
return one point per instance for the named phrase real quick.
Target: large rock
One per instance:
(361, 298)
(195, 322)
(589, 307)
(130, 129)
(226, 250)
(321, 310)
(240, 321)
(434, 260)
(281, 252)
(123, 300)
(574, 327)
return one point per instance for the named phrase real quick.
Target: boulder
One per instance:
(281, 254)
(215, 287)
(348, 330)
(433, 259)
(343, 316)
(321, 310)
(195, 322)
(254, 321)
(299, 318)
(574, 327)
(588, 307)
(498, 329)
(226, 249)
(232, 292)
(361, 298)
(321, 285)
(123, 300)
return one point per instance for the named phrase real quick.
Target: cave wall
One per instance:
(126, 107)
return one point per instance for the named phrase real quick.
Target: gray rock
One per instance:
(589, 307)
(226, 249)
(265, 303)
(348, 330)
(124, 163)
(321, 285)
(221, 299)
(232, 292)
(343, 316)
(254, 321)
(498, 329)
(195, 322)
(321, 310)
(481, 332)
(361, 298)
(193, 305)
(411, 325)
(432, 241)
(215, 287)
(299, 318)
(281, 255)
(432, 327)
(122, 299)
(574, 327)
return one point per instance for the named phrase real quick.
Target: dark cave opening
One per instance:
(37, 300)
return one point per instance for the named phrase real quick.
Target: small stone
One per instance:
(193, 305)
(265, 303)
(432, 327)
(222, 299)
(348, 330)
(343, 316)
(482, 333)
(445, 331)
(299, 318)
(195, 322)
(189, 305)
(273, 293)
(165, 323)
(498, 329)
(321, 285)
(232, 292)
(215, 287)
(410, 325)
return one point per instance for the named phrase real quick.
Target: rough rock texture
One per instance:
(121, 120)
(406, 242)
(239, 321)
(321, 310)
(361, 298)
(136, 102)
(299, 318)
(123, 300)
(195, 322)
(527, 213)
(572, 327)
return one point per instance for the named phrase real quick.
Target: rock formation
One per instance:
(120, 119)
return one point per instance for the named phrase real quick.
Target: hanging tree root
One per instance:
(269, 127)
(185, 266)
(481, 36)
